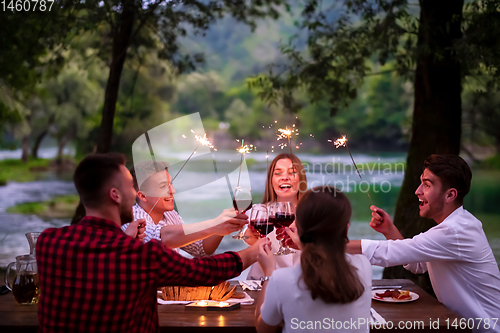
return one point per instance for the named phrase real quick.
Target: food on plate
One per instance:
(396, 294)
(238, 294)
(220, 292)
(403, 295)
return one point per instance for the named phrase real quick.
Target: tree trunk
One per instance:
(41, 136)
(60, 147)
(437, 112)
(38, 141)
(121, 41)
(25, 148)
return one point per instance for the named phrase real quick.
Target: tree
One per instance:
(169, 20)
(32, 45)
(436, 50)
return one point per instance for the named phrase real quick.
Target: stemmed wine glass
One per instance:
(242, 202)
(285, 215)
(259, 220)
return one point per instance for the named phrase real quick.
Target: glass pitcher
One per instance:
(32, 238)
(25, 287)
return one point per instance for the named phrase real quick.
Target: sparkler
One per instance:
(285, 133)
(244, 149)
(267, 160)
(342, 142)
(203, 141)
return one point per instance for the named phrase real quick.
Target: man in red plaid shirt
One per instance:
(95, 278)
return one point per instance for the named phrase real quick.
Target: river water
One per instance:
(208, 201)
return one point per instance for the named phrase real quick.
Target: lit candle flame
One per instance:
(222, 304)
(202, 303)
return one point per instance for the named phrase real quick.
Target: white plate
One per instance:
(414, 297)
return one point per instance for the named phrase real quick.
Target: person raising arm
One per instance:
(155, 204)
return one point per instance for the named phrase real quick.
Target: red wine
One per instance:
(25, 288)
(242, 205)
(262, 226)
(272, 220)
(284, 220)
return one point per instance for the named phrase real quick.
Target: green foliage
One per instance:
(27, 208)
(491, 163)
(18, 171)
(59, 206)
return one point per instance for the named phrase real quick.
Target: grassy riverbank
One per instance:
(16, 170)
(58, 207)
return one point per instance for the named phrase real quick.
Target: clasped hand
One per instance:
(228, 222)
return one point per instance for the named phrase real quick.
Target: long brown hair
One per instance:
(322, 219)
(269, 194)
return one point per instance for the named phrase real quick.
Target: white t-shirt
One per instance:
(255, 272)
(461, 265)
(288, 299)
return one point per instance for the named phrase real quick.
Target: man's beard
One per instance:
(126, 214)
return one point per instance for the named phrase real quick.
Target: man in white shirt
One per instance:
(155, 204)
(462, 269)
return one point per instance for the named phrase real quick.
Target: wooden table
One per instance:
(419, 314)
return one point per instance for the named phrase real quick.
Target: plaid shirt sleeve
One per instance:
(195, 248)
(175, 269)
(94, 278)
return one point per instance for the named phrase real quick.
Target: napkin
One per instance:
(247, 300)
(250, 285)
(376, 318)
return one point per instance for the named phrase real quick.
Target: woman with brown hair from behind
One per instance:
(329, 289)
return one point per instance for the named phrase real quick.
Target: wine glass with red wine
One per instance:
(259, 220)
(285, 215)
(242, 202)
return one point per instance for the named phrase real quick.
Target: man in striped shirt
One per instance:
(155, 204)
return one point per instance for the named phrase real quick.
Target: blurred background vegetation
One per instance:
(64, 95)
(95, 75)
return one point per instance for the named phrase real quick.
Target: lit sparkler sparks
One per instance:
(244, 149)
(203, 141)
(342, 142)
(286, 133)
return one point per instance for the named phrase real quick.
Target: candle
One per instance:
(202, 303)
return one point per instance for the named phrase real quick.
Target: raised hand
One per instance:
(137, 229)
(266, 258)
(252, 234)
(292, 238)
(382, 222)
(228, 222)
